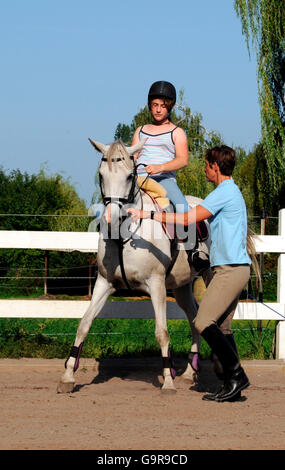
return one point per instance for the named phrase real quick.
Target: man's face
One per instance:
(211, 171)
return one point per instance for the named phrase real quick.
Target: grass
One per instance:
(50, 338)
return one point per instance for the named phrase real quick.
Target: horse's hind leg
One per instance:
(158, 296)
(185, 299)
(102, 290)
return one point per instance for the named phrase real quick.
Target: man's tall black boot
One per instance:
(231, 339)
(218, 369)
(235, 378)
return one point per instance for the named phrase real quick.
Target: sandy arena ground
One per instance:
(117, 404)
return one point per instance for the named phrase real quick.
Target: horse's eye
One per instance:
(129, 178)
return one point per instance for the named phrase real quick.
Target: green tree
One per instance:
(124, 133)
(191, 180)
(244, 175)
(37, 202)
(30, 201)
(263, 21)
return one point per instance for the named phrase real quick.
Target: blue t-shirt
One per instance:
(228, 225)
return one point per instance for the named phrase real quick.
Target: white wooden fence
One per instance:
(88, 242)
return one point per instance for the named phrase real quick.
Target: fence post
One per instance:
(46, 271)
(261, 266)
(90, 276)
(280, 330)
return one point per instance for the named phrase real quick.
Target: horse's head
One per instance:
(117, 174)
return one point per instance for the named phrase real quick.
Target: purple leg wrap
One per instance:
(194, 361)
(75, 352)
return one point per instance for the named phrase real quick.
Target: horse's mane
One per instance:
(118, 150)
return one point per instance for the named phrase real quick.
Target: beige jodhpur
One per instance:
(221, 297)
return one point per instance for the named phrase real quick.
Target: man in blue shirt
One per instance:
(228, 224)
(226, 212)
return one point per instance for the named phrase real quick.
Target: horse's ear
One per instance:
(100, 147)
(137, 147)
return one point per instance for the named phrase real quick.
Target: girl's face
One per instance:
(159, 110)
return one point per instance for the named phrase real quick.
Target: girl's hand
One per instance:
(137, 214)
(153, 169)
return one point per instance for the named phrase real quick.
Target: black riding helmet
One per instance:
(162, 89)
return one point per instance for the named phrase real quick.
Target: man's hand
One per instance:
(137, 214)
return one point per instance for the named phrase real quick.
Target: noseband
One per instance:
(120, 200)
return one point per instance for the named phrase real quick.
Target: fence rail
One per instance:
(88, 242)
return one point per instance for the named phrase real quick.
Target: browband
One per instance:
(119, 159)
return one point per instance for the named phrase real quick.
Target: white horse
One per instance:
(139, 255)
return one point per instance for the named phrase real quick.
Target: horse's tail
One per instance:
(252, 254)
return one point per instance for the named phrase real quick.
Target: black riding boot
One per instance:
(232, 342)
(218, 369)
(235, 378)
(231, 339)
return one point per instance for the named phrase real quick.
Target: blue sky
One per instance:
(72, 70)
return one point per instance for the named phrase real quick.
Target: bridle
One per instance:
(121, 201)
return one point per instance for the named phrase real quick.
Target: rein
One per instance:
(121, 201)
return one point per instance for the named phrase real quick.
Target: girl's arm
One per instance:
(197, 214)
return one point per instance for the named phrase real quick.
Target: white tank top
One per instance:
(157, 150)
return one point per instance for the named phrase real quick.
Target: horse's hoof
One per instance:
(196, 377)
(188, 379)
(168, 391)
(192, 378)
(191, 375)
(65, 387)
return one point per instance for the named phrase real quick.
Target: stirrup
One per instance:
(199, 264)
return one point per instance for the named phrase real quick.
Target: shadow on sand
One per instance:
(149, 371)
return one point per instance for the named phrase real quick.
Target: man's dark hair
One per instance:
(225, 158)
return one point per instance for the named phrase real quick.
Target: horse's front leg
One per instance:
(101, 292)
(158, 296)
